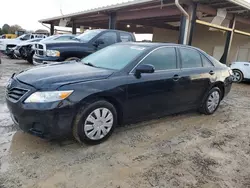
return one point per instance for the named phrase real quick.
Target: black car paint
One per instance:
(77, 48)
(135, 99)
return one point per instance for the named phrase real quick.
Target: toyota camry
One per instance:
(123, 83)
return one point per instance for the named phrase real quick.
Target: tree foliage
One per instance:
(7, 29)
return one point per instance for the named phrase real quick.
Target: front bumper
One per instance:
(46, 120)
(45, 59)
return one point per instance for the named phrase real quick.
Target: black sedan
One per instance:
(120, 84)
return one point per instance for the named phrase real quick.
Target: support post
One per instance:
(73, 27)
(193, 23)
(52, 29)
(181, 39)
(229, 39)
(112, 20)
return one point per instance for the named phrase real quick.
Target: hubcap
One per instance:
(213, 101)
(237, 76)
(98, 123)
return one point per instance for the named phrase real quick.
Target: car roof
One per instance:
(157, 44)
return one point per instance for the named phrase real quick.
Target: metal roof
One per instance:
(239, 7)
(99, 9)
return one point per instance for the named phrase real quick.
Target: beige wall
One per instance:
(205, 40)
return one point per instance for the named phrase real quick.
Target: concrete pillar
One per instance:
(228, 43)
(193, 18)
(112, 20)
(52, 29)
(73, 27)
(182, 30)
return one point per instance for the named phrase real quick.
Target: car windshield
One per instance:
(114, 57)
(88, 35)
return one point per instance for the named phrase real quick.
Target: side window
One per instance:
(26, 37)
(108, 38)
(190, 58)
(206, 62)
(32, 36)
(162, 59)
(125, 37)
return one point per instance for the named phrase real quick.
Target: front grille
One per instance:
(16, 93)
(10, 46)
(40, 46)
(40, 49)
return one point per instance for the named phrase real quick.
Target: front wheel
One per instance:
(238, 76)
(95, 122)
(212, 101)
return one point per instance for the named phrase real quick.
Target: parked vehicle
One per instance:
(8, 36)
(122, 83)
(241, 71)
(7, 44)
(25, 50)
(83, 45)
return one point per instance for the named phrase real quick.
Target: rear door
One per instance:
(195, 78)
(154, 93)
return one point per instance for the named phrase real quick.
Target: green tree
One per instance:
(14, 28)
(1, 31)
(5, 29)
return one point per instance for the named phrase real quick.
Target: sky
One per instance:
(26, 13)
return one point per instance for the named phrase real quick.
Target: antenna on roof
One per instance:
(61, 9)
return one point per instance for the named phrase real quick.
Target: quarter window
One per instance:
(162, 59)
(125, 37)
(206, 62)
(190, 58)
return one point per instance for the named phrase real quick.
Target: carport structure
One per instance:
(182, 16)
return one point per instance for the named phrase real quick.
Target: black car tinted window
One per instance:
(108, 38)
(115, 56)
(162, 59)
(190, 58)
(125, 37)
(206, 62)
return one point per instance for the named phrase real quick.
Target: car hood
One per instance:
(58, 44)
(59, 74)
(25, 43)
(10, 41)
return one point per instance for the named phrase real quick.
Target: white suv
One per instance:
(5, 44)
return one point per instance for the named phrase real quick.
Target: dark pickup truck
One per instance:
(88, 42)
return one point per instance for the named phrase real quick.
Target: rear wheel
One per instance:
(212, 101)
(95, 122)
(238, 76)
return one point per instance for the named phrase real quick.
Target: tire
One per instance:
(212, 101)
(30, 58)
(238, 76)
(87, 125)
(72, 59)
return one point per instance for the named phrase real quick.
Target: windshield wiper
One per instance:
(89, 64)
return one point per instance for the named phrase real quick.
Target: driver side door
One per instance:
(153, 93)
(107, 39)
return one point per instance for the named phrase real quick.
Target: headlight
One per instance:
(48, 96)
(53, 53)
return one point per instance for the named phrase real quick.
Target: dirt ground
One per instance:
(185, 150)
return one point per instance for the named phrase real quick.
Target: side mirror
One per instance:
(147, 68)
(98, 42)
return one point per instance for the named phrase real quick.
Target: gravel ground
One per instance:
(185, 150)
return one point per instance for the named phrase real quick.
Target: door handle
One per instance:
(211, 72)
(176, 77)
